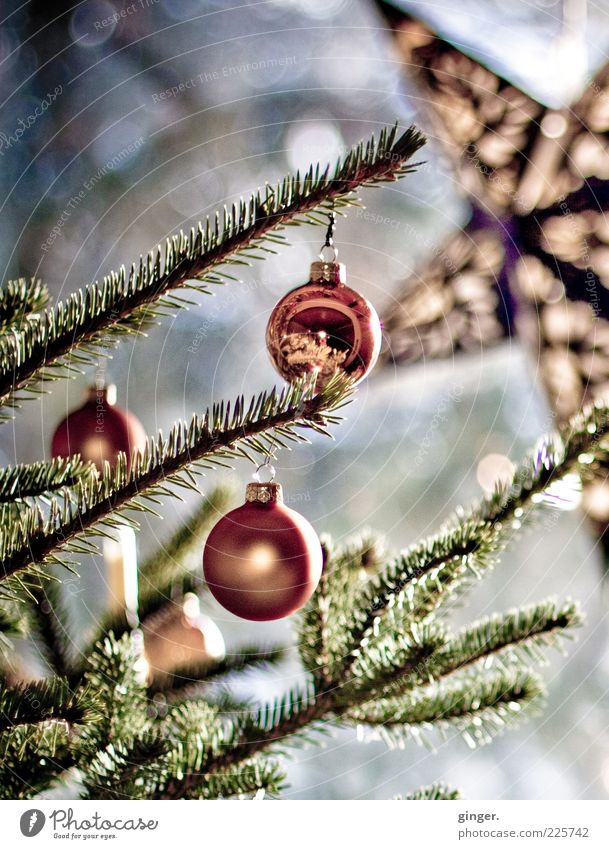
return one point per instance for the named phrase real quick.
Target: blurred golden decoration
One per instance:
(509, 149)
(450, 305)
(513, 156)
(536, 282)
(566, 322)
(538, 242)
(179, 637)
(569, 341)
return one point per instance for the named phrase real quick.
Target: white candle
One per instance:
(120, 558)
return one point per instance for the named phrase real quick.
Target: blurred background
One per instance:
(121, 123)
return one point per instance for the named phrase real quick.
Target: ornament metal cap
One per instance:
(264, 493)
(328, 272)
(101, 392)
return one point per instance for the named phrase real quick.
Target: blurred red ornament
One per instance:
(324, 327)
(179, 637)
(99, 430)
(263, 560)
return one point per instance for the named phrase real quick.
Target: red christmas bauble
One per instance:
(263, 560)
(99, 430)
(324, 327)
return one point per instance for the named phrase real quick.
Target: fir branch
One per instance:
(314, 637)
(20, 301)
(49, 699)
(32, 480)
(122, 769)
(418, 571)
(114, 676)
(124, 763)
(171, 559)
(195, 730)
(520, 633)
(289, 718)
(181, 681)
(126, 755)
(399, 661)
(32, 760)
(391, 690)
(432, 792)
(12, 624)
(49, 623)
(480, 707)
(325, 622)
(97, 316)
(429, 572)
(222, 433)
(250, 778)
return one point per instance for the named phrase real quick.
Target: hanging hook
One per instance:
(266, 464)
(330, 231)
(328, 252)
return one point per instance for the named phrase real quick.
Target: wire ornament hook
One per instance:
(329, 253)
(266, 464)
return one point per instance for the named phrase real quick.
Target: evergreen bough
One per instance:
(376, 651)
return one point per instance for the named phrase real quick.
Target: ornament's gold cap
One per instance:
(101, 391)
(328, 272)
(263, 493)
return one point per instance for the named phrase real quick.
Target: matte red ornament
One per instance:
(263, 560)
(324, 327)
(99, 430)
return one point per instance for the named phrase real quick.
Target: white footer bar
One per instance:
(306, 824)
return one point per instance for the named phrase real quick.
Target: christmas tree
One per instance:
(374, 640)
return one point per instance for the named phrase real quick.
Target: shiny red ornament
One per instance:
(262, 561)
(99, 430)
(324, 327)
